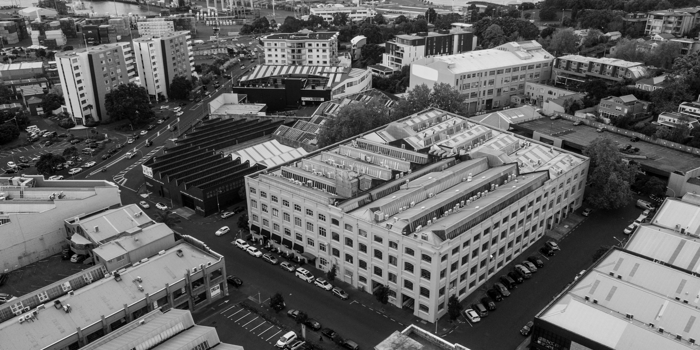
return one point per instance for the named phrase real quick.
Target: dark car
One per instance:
(535, 260)
(488, 303)
(48, 143)
(349, 344)
(515, 276)
(634, 139)
(547, 251)
(135, 135)
(106, 155)
(150, 127)
(10, 171)
(23, 159)
(239, 209)
(183, 104)
(23, 165)
(494, 294)
(329, 333)
(313, 324)
(234, 281)
(508, 281)
(3, 278)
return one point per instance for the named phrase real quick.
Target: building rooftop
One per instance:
(628, 301)
(269, 154)
(39, 195)
(659, 80)
(603, 60)
(150, 38)
(415, 338)
(664, 159)
(102, 297)
(103, 226)
(503, 119)
(21, 65)
(92, 49)
(333, 75)
(506, 55)
(132, 240)
(302, 36)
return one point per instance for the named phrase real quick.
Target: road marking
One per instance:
(234, 313)
(252, 329)
(226, 309)
(250, 322)
(278, 332)
(263, 332)
(243, 317)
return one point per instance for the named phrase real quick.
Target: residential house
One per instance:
(560, 104)
(662, 37)
(618, 106)
(651, 84)
(688, 45)
(582, 68)
(673, 120)
(613, 35)
(690, 109)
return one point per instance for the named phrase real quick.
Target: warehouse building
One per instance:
(430, 206)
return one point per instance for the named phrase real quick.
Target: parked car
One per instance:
(89, 164)
(323, 284)
(530, 266)
(4, 297)
(331, 334)
(130, 140)
(488, 303)
(296, 345)
(226, 215)
(313, 324)
(286, 339)
(516, 277)
(240, 243)
(222, 231)
(494, 294)
(552, 245)
(74, 141)
(23, 159)
(144, 204)
(270, 258)
(234, 281)
(472, 316)
(74, 171)
(586, 212)
(11, 164)
(501, 288)
(161, 206)
(340, 293)
(56, 177)
(523, 271)
(508, 282)
(293, 313)
(130, 154)
(644, 204)
(304, 274)
(629, 229)
(254, 252)
(480, 309)
(144, 132)
(535, 260)
(288, 266)
(527, 329)
(349, 344)
(547, 251)
(239, 209)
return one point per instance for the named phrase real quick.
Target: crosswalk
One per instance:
(119, 177)
(254, 324)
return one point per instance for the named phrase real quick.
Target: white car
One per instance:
(472, 316)
(629, 229)
(144, 204)
(163, 107)
(160, 121)
(179, 113)
(74, 171)
(286, 339)
(161, 206)
(240, 243)
(56, 177)
(222, 231)
(226, 214)
(254, 252)
(130, 140)
(177, 109)
(89, 164)
(11, 164)
(143, 132)
(130, 154)
(321, 283)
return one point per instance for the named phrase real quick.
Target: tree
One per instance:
(243, 221)
(563, 42)
(180, 88)
(8, 132)
(41, 53)
(352, 120)
(401, 19)
(445, 21)
(431, 15)
(6, 95)
(527, 15)
(654, 186)
(420, 25)
(242, 193)
(70, 152)
(330, 275)
(46, 165)
(372, 33)
(454, 308)
(129, 102)
(610, 178)
(593, 38)
(379, 19)
(302, 317)
(381, 292)
(277, 302)
(340, 19)
(600, 252)
(548, 14)
(443, 96)
(51, 102)
(372, 53)
(168, 217)
(493, 36)
(68, 48)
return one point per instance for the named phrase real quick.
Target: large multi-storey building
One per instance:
(355, 14)
(159, 27)
(430, 206)
(581, 68)
(32, 211)
(675, 21)
(302, 49)
(87, 75)
(487, 77)
(161, 59)
(408, 48)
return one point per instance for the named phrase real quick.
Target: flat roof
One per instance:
(21, 65)
(101, 298)
(302, 36)
(335, 75)
(240, 108)
(268, 154)
(659, 157)
(134, 240)
(108, 224)
(503, 119)
(622, 284)
(602, 60)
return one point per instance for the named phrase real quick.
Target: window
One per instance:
(443, 273)
(335, 236)
(424, 292)
(409, 251)
(393, 260)
(392, 277)
(393, 245)
(408, 284)
(264, 208)
(408, 266)
(378, 271)
(253, 203)
(348, 258)
(285, 203)
(426, 258)
(255, 218)
(252, 190)
(335, 252)
(274, 199)
(348, 227)
(263, 194)
(321, 217)
(378, 254)
(322, 247)
(275, 212)
(362, 264)
(424, 274)
(322, 231)
(348, 242)
(276, 227)
(297, 207)
(335, 222)
(287, 232)
(310, 227)
(363, 247)
(310, 242)
(298, 237)
(363, 233)
(297, 221)
(266, 222)
(378, 239)
(309, 212)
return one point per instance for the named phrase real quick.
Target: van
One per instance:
(304, 274)
(480, 309)
(644, 204)
(286, 339)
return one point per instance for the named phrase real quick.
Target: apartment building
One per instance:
(408, 48)
(430, 206)
(690, 109)
(581, 68)
(161, 59)
(538, 94)
(159, 27)
(675, 21)
(355, 14)
(32, 213)
(674, 119)
(488, 77)
(640, 297)
(301, 49)
(87, 75)
(618, 106)
(93, 303)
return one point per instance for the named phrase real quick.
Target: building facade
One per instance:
(581, 68)
(690, 109)
(427, 206)
(487, 77)
(355, 14)
(675, 21)
(618, 106)
(538, 94)
(651, 84)
(87, 75)
(673, 120)
(155, 28)
(32, 222)
(408, 48)
(302, 49)
(161, 59)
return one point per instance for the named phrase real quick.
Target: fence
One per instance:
(630, 134)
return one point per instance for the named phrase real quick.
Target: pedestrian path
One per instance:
(119, 177)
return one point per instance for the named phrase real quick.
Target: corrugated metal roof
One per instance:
(270, 153)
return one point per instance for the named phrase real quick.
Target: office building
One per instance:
(160, 59)
(487, 77)
(355, 14)
(539, 94)
(581, 68)
(641, 297)
(33, 210)
(675, 21)
(430, 206)
(618, 106)
(288, 87)
(408, 48)
(301, 49)
(93, 303)
(87, 75)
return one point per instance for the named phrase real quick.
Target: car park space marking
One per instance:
(252, 329)
(250, 321)
(263, 332)
(234, 314)
(221, 313)
(244, 316)
(278, 332)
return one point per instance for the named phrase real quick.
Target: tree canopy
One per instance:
(259, 26)
(354, 119)
(514, 29)
(372, 54)
(442, 96)
(51, 102)
(180, 87)
(129, 102)
(46, 165)
(610, 179)
(563, 42)
(8, 132)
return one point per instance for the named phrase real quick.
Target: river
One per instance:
(104, 7)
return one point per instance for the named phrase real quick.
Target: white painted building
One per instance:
(355, 14)
(301, 49)
(160, 59)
